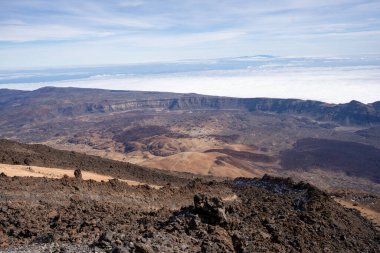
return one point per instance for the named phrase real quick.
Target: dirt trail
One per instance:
(36, 171)
(368, 213)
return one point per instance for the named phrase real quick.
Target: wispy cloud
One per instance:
(25, 33)
(169, 27)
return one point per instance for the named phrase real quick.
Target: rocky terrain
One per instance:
(204, 135)
(40, 155)
(82, 101)
(243, 215)
(183, 214)
(121, 171)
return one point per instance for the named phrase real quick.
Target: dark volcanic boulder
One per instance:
(78, 174)
(210, 210)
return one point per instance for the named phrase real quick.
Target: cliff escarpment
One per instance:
(50, 102)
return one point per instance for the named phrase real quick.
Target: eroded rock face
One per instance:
(77, 102)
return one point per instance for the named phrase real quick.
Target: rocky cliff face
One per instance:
(54, 102)
(351, 113)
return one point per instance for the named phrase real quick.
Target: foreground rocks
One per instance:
(244, 215)
(78, 174)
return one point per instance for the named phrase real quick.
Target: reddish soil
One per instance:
(244, 155)
(40, 155)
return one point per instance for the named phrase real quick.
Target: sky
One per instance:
(308, 49)
(45, 33)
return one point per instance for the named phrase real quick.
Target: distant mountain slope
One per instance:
(207, 135)
(12, 152)
(354, 159)
(20, 107)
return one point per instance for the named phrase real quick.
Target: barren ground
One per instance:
(268, 215)
(36, 171)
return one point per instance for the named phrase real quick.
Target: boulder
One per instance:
(210, 210)
(78, 174)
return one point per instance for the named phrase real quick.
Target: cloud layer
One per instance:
(333, 85)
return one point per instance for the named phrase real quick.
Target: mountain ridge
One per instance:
(79, 101)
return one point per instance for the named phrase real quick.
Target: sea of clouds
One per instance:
(333, 80)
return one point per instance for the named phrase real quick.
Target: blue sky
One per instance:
(37, 33)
